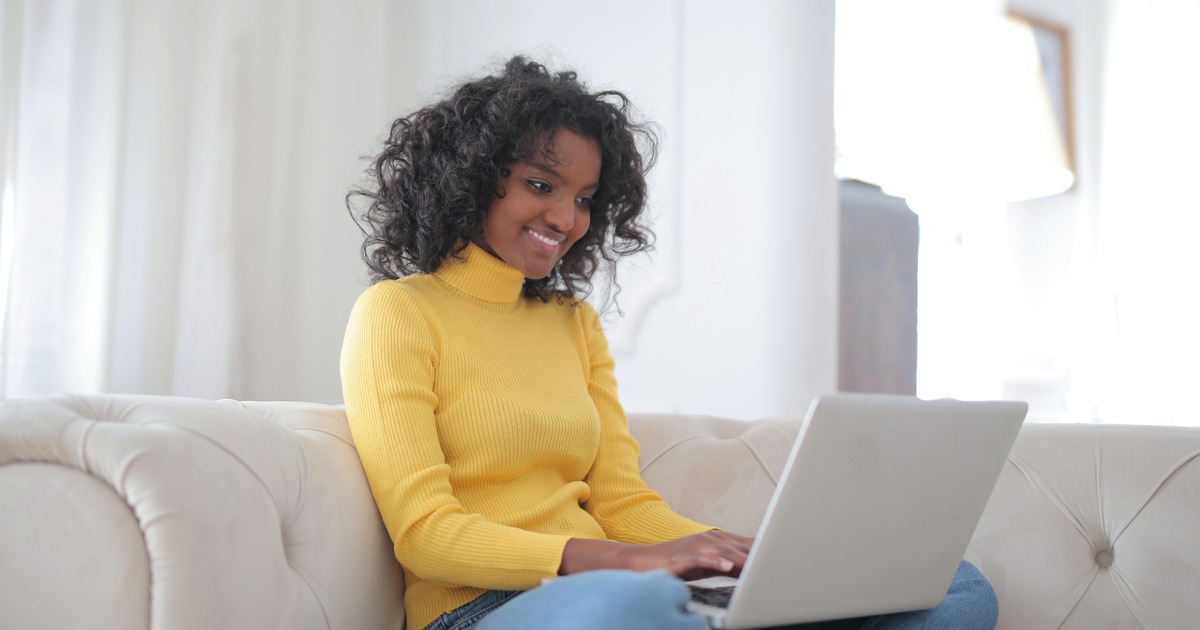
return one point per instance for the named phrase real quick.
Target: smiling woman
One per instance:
(478, 385)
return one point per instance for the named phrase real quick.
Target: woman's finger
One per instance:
(683, 564)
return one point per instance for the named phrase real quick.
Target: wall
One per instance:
(752, 330)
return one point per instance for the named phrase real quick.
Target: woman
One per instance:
(478, 384)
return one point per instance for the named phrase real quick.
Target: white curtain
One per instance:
(174, 174)
(1138, 362)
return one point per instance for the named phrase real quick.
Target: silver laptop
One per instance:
(874, 510)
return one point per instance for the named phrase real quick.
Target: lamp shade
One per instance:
(969, 118)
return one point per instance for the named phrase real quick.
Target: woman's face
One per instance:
(544, 205)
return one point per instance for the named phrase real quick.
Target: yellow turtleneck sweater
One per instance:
(490, 432)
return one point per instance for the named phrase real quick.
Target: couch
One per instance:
(132, 512)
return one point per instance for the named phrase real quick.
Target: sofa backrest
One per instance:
(1090, 525)
(1095, 526)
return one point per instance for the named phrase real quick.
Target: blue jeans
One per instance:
(657, 601)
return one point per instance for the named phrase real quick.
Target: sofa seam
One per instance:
(1082, 590)
(241, 405)
(750, 449)
(295, 514)
(667, 450)
(1042, 487)
(304, 471)
(303, 575)
(1114, 575)
(87, 431)
(758, 458)
(325, 432)
(1157, 487)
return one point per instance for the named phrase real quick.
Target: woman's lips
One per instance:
(542, 242)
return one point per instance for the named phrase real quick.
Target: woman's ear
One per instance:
(505, 172)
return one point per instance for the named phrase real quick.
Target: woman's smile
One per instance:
(546, 243)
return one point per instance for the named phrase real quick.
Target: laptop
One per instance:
(874, 510)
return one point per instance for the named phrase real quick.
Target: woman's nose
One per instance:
(561, 216)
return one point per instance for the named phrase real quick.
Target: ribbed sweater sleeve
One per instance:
(389, 361)
(625, 507)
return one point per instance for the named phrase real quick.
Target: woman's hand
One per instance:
(697, 556)
(694, 557)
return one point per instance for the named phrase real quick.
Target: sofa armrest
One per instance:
(139, 511)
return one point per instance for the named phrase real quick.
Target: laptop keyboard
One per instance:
(718, 597)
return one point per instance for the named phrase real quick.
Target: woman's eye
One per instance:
(585, 202)
(538, 185)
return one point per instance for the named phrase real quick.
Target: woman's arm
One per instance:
(620, 501)
(389, 359)
(647, 535)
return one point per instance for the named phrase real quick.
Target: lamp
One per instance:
(1036, 162)
(971, 117)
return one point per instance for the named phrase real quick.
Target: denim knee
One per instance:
(627, 599)
(975, 598)
(601, 600)
(969, 605)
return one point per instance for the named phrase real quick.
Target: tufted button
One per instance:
(1104, 558)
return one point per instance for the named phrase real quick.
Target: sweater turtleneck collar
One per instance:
(483, 276)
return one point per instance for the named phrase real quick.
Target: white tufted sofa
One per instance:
(132, 512)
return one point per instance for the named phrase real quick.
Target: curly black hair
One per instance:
(432, 184)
